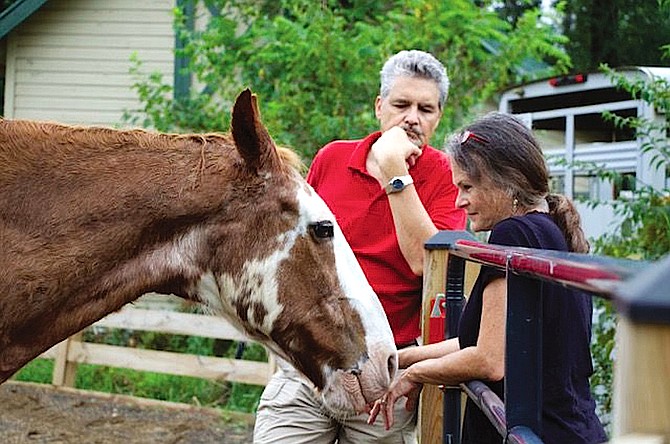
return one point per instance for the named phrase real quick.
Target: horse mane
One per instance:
(291, 158)
(106, 137)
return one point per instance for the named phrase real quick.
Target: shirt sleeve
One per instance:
(444, 213)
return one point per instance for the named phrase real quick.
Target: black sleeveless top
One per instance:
(568, 412)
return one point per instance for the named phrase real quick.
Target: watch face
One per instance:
(398, 184)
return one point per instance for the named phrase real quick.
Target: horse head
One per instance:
(292, 282)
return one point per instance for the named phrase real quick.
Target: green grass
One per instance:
(208, 393)
(37, 370)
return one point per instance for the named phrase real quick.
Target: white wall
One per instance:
(597, 221)
(69, 62)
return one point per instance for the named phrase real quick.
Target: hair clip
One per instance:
(467, 135)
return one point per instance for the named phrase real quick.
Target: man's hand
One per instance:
(393, 154)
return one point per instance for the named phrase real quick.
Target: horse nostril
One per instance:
(392, 366)
(357, 369)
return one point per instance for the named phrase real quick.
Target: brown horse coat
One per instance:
(92, 218)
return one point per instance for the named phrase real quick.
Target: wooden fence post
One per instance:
(65, 369)
(642, 366)
(429, 422)
(642, 379)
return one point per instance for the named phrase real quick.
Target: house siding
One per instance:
(70, 61)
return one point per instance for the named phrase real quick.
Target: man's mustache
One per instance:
(413, 132)
(412, 129)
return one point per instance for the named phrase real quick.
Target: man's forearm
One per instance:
(413, 226)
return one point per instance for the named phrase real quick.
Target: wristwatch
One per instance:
(398, 183)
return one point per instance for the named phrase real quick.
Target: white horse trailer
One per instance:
(565, 114)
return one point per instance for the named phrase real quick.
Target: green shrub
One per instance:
(644, 228)
(37, 370)
(315, 65)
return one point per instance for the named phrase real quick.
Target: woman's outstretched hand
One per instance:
(402, 386)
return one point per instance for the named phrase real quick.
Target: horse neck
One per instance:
(80, 216)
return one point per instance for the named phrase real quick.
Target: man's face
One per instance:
(413, 104)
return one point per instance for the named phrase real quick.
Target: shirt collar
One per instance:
(360, 154)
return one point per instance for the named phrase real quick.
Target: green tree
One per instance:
(616, 32)
(512, 10)
(315, 65)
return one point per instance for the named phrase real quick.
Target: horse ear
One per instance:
(251, 137)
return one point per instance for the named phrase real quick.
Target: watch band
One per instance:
(398, 183)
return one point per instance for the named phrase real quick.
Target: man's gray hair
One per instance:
(414, 63)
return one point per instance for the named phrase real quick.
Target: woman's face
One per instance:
(485, 203)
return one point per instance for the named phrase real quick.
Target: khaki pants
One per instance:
(290, 413)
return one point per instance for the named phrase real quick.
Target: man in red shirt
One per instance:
(390, 192)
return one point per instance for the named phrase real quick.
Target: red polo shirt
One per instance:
(362, 210)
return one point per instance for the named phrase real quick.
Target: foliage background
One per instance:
(315, 65)
(643, 231)
(614, 32)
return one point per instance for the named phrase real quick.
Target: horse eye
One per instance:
(322, 229)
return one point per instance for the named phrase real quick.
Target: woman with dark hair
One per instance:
(503, 185)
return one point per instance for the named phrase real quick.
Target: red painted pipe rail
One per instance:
(640, 290)
(565, 268)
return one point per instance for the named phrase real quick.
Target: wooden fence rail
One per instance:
(73, 351)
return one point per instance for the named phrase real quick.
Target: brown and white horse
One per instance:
(92, 218)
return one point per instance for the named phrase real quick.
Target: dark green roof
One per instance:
(16, 13)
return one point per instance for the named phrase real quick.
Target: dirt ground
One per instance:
(38, 413)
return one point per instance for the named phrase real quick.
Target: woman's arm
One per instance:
(410, 355)
(485, 361)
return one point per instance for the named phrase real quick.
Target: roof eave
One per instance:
(16, 13)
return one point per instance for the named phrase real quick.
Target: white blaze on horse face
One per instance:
(352, 279)
(354, 284)
(343, 389)
(258, 283)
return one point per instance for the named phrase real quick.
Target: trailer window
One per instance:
(585, 187)
(624, 188)
(592, 130)
(568, 100)
(557, 184)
